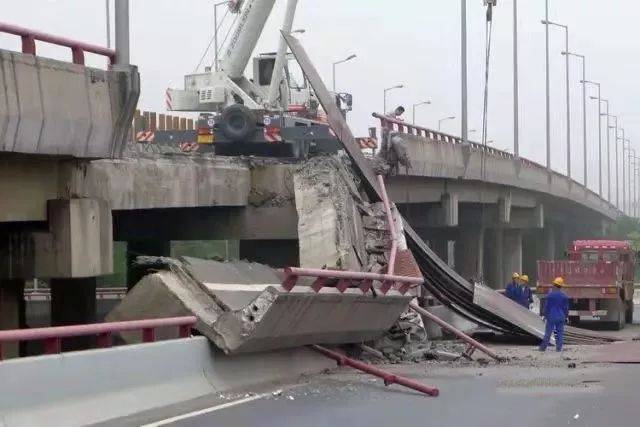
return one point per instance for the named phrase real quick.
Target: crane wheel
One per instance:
(237, 122)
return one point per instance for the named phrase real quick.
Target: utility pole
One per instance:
(606, 101)
(566, 59)
(122, 32)
(413, 114)
(108, 13)
(516, 125)
(599, 135)
(463, 65)
(584, 111)
(548, 84)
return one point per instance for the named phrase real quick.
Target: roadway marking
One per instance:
(208, 410)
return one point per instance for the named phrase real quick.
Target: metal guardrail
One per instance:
(44, 294)
(53, 336)
(411, 129)
(78, 48)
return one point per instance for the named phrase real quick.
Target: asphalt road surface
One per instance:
(533, 389)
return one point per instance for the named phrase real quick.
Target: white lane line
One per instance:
(207, 410)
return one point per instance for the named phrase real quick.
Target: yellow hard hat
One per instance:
(524, 278)
(515, 276)
(558, 281)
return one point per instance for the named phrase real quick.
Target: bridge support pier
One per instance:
(73, 301)
(12, 312)
(469, 254)
(512, 253)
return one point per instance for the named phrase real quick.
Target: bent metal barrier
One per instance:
(53, 336)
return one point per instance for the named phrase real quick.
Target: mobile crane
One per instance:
(272, 113)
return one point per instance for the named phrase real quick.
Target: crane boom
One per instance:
(251, 22)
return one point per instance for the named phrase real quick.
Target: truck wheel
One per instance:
(300, 150)
(237, 122)
(629, 312)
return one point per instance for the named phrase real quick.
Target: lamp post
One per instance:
(615, 146)
(385, 95)
(444, 119)
(566, 57)
(516, 120)
(548, 84)
(629, 156)
(584, 109)
(463, 70)
(606, 101)
(624, 195)
(348, 58)
(108, 13)
(413, 117)
(599, 135)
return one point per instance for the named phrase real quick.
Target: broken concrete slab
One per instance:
(241, 317)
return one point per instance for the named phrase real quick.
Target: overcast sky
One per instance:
(413, 42)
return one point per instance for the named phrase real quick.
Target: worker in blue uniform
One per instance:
(556, 310)
(513, 290)
(526, 296)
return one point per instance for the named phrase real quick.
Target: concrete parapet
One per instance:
(88, 387)
(57, 108)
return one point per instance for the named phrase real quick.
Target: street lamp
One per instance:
(623, 169)
(400, 86)
(566, 48)
(215, 33)
(584, 109)
(348, 58)
(599, 134)
(615, 146)
(629, 150)
(414, 109)
(444, 119)
(606, 101)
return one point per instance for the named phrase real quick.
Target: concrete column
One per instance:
(12, 312)
(494, 261)
(73, 301)
(512, 253)
(469, 254)
(137, 248)
(550, 243)
(275, 253)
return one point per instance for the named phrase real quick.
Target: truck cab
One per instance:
(599, 280)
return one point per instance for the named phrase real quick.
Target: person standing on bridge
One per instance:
(556, 310)
(526, 296)
(395, 114)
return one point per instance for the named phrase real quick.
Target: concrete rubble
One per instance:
(242, 306)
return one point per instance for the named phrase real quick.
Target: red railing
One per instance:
(78, 48)
(53, 336)
(346, 279)
(400, 126)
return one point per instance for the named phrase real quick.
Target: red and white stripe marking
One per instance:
(367, 142)
(145, 136)
(188, 147)
(272, 134)
(168, 99)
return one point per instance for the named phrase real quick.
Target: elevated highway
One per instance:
(468, 200)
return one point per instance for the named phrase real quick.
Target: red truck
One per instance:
(599, 278)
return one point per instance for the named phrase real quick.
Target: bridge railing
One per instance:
(78, 48)
(400, 126)
(53, 336)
